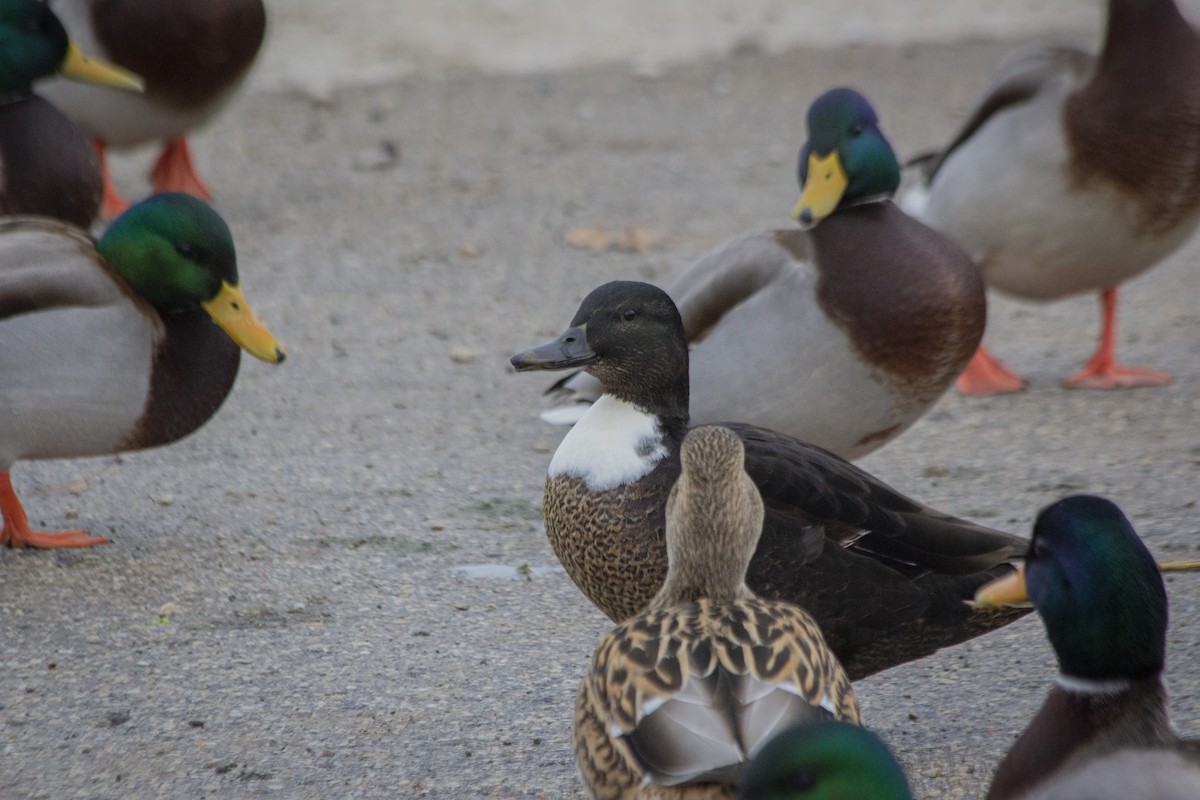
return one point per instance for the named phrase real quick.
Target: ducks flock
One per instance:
(752, 571)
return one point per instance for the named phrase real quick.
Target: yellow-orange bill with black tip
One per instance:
(824, 186)
(82, 67)
(1010, 590)
(230, 310)
(1007, 591)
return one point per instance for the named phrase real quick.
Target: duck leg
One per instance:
(986, 375)
(1102, 370)
(113, 205)
(175, 172)
(16, 532)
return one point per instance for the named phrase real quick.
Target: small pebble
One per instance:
(461, 354)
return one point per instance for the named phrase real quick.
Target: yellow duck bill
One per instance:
(82, 67)
(230, 310)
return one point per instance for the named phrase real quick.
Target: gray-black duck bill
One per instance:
(569, 350)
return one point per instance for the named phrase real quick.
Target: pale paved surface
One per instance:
(323, 644)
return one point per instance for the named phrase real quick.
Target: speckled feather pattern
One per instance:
(828, 545)
(612, 538)
(654, 656)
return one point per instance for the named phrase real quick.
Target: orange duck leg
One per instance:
(1102, 370)
(16, 532)
(175, 172)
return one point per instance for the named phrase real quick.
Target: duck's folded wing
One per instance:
(47, 265)
(1018, 79)
(731, 273)
(863, 514)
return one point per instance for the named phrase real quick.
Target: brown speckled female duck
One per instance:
(193, 55)
(884, 576)
(112, 346)
(1074, 174)
(842, 335)
(680, 696)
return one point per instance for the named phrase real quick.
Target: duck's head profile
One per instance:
(33, 44)
(1097, 588)
(846, 160)
(629, 335)
(177, 254)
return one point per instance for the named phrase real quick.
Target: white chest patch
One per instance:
(1093, 686)
(613, 444)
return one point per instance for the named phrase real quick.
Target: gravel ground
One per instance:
(285, 612)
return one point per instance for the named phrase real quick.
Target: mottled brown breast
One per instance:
(188, 51)
(910, 300)
(192, 374)
(612, 543)
(1136, 125)
(46, 165)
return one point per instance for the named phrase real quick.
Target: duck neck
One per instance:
(668, 403)
(1083, 715)
(688, 586)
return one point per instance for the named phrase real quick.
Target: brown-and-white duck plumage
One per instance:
(680, 696)
(1075, 173)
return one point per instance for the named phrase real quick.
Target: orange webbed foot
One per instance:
(986, 375)
(50, 539)
(1115, 376)
(16, 531)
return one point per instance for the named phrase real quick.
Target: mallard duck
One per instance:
(885, 576)
(681, 695)
(193, 55)
(1074, 174)
(824, 761)
(842, 335)
(46, 164)
(110, 346)
(1103, 732)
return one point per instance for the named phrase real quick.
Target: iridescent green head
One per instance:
(824, 761)
(1098, 590)
(846, 159)
(33, 44)
(177, 253)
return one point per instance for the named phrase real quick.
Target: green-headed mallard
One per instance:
(828, 760)
(1103, 732)
(193, 54)
(47, 166)
(1074, 174)
(680, 696)
(111, 346)
(884, 575)
(842, 335)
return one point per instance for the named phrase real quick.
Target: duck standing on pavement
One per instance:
(130, 342)
(843, 334)
(1074, 174)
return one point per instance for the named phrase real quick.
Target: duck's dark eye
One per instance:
(628, 314)
(856, 131)
(186, 250)
(1039, 549)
